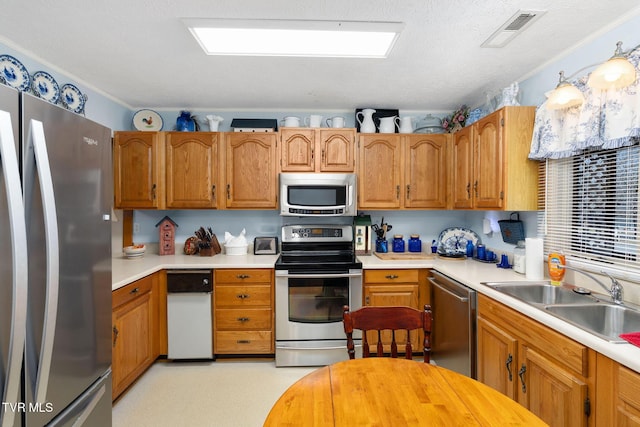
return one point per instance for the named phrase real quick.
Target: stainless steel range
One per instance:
(316, 275)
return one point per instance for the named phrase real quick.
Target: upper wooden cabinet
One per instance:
(491, 169)
(192, 169)
(403, 171)
(317, 150)
(251, 170)
(137, 170)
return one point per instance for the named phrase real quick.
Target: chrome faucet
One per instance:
(616, 291)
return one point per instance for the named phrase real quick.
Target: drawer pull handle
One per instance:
(243, 319)
(243, 296)
(134, 291)
(391, 276)
(243, 342)
(509, 362)
(521, 372)
(243, 276)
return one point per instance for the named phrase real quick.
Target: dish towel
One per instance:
(632, 337)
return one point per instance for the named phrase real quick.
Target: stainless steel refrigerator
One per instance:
(55, 265)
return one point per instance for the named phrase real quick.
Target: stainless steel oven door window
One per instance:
(309, 306)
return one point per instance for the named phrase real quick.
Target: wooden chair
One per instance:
(387, 318)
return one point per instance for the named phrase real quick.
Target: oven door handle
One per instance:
(316, 275)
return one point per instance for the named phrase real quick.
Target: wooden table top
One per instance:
(394, 392)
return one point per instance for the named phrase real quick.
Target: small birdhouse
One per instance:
(167, 240)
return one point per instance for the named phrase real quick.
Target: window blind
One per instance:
(590, 204)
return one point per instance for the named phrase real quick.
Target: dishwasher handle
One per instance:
(456, 296)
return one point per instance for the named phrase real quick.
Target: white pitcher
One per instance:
(214, 122)
(335, 122)
(405, 124)
(366, 123)
(290, 122)
(387, 124)
(313, 121)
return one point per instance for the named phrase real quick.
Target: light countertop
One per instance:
(471, 273)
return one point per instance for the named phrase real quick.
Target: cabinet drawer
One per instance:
(131, 291)
(391, 276)
(629, 386)
(242, 295)
(243, 276)
(246, 319)
(244, 342)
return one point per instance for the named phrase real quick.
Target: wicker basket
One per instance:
(512, 229)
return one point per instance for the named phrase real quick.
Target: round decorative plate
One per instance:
(45, 86)
(72, 98)
(147, 120)
(13, 73)
(453, 241)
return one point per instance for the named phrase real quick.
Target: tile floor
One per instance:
(225, 393)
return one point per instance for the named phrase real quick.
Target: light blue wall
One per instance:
(99, 107)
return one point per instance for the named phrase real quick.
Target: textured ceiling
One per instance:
(140, 53)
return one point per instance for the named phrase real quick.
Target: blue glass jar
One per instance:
(415, 244)
(381, 246)
(398, 243)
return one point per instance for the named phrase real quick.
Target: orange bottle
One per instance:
(556, 264)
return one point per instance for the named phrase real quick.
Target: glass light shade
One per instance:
(565, 95)
(616, 73)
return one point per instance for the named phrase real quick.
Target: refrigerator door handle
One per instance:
(9, 161)
(36, 133)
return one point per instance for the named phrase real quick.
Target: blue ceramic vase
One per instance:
(185, 123)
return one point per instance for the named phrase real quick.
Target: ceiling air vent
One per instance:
(514, 26)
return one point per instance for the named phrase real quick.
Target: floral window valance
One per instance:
(607, 119)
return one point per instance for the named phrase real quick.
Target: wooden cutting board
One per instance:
(404, 255)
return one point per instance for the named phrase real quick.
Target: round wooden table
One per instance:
(394, 392)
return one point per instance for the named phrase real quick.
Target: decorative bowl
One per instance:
(134, 251)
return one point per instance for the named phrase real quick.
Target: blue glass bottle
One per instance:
(398, 243)
(415, 244)
(469, 249)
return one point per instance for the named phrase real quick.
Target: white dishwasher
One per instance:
(189, 319)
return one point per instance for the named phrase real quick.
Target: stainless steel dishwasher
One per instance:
(189, 319)
(453, 337)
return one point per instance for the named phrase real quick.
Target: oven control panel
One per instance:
(321, 233)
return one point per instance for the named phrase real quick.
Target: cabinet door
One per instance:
(405, 294)
(379, 164)
(489, 165)
(136, 170)
(297, 152)
(462, 168)
(132, 343)
(191, 169)
(550, 392)
(497, 358)
(337, 148)
(251, 170)
(426, 171)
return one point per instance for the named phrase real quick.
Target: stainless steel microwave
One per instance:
(318, 194)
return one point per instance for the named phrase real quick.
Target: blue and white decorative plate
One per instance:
(13, 73)
(72, 98)
(452, 241)
(45, 86)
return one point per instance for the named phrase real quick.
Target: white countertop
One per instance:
(471, 273)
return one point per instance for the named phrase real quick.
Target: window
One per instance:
(591, 207)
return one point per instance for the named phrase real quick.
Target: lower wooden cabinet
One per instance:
(244, 320)
(135, 342)
(548, 373)
(618, 394)
(394, 287)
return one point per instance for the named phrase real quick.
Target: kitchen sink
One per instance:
(605, 320)
(542, 293)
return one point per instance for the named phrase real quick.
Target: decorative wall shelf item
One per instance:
(13, 73)
(45, 86)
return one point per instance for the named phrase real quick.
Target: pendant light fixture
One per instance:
(616, 73)
(565, 95)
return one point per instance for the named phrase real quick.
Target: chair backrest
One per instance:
(387, 318)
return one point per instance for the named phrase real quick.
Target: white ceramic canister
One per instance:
(520, 258)
(290, 122)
